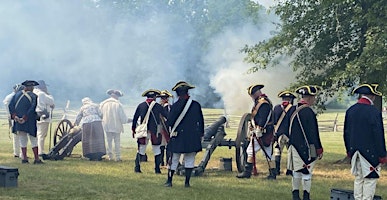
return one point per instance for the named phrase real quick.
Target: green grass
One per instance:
(75, 178)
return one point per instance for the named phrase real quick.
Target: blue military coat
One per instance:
(364, 132)
(190, 130)
(23, 105)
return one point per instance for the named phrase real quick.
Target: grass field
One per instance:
(76, 178)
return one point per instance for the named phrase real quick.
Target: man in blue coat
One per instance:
(281, 127)
(22, 109)
(305, 146)
(187, 124)
(152, 124)
(364, 141)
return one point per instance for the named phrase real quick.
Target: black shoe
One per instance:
(25, 162)
(137, 170)
(38, 162)
(168, 184)
(15, 156)
(187, 185)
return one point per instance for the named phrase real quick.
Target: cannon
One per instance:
(214, 137)
(66, 137)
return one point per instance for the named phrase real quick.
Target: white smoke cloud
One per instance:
(81, 49)
(230, 78)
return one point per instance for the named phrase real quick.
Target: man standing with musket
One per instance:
(304, 141)
(281, 127)
(364, 141)
(164, 102)
(22, 108)
(152, 123)
(262, 132)
(187, 128)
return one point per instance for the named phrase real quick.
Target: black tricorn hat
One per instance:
(367, 89)
(30, 83)
(253, 88)
(286, 93)
(115, 92)
(182, 85)
(310, 90)
(165, 93)
(151, 93)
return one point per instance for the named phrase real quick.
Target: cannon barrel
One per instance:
(211, 130)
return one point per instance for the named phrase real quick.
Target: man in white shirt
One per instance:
(45, 105)
(15, 137)
(113, 118)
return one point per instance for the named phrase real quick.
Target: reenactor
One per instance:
(164, 102)
(281, 126)
(262, 128)
(187, 128)
(22, 109)
(304, 141)
(152, 124)
(365, 141)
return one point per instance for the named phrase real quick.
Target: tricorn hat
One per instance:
(30, 83)
(115, 92)
(310, 90)
(182, 85)
(151, 93)
(165, 93)
(286, 93)
(367, 89)
(253, 88)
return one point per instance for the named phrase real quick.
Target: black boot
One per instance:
(157, 164)
(278, 165)
(169, 180)
(162, 148)
(144, 158)
(306, 195)
(272, 174)
(188, 172)
(296, 195)
(247, 172)
(137, 168)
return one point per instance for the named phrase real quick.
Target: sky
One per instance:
(82, 52)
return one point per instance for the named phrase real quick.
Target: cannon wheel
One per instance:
(242, 142)
(62, 129)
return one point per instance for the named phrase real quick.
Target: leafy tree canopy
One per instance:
(336, 44)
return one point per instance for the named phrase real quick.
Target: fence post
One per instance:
(335, 123)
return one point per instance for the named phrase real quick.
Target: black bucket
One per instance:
(225, 164)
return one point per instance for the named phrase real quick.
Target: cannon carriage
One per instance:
(214, 136)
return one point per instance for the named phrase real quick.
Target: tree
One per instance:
(336, 44)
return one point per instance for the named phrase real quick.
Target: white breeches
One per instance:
(24, 139)
(41, 134)
(188, 160)
(155, 148)
(257, 147)
(304, 179)
(364, 188)
(16, 145)
(116, 137)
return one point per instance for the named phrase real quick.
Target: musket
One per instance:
(259, 140)
(49, 144)
(255, 172)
